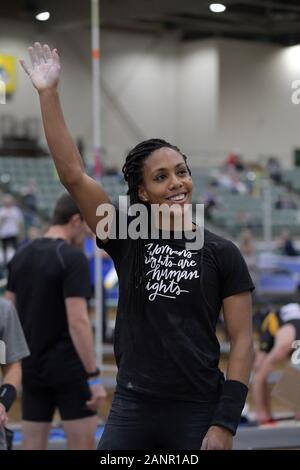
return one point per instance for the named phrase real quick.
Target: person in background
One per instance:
(209, 200)
(286, 244)
(61, 371)
(13, 348)
(277, 332)
(274, 170)
(29, 204)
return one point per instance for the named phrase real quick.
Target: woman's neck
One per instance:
(175, 223)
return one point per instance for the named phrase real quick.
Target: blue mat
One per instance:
(280, 283)
(55, 435)
(58, 435)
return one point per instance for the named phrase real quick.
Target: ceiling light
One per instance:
(217, 7)
(43, 16)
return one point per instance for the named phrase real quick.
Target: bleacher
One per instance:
(232, 206)
(292, 178)
(18, 172)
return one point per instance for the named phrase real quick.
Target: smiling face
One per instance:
(166, 180)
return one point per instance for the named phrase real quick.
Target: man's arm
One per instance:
(82, 337)
(237, 310)
(81, 331)
(12, 374)
(11, 381)
(44, 74)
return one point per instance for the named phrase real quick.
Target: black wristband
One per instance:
(95, 373)
(230, 406)
(8, 395)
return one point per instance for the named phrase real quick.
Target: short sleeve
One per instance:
(11, 333)
(114, 246)
(235, 277)
(76, 280)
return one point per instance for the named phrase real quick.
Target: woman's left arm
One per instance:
(237, 310)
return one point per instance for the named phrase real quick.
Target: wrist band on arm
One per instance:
(92, 374)
(96, 381)
(8, 395)
(230, 405)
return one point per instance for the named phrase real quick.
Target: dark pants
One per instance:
(6, 243)
(139, 422)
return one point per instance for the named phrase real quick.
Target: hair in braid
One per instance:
(133, 174)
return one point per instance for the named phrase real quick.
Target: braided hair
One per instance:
(133, 174)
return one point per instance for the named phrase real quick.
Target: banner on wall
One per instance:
(8, 74)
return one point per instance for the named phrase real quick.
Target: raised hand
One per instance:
(45, 70)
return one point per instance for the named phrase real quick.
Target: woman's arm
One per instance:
(44, 75)
(237, 310)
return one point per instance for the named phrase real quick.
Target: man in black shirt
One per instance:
(49, 283)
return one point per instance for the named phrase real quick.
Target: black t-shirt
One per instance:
(42, 275)
(171, 349)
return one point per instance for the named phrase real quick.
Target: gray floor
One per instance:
(283, 437)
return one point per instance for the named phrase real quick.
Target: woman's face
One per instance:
(166, 179)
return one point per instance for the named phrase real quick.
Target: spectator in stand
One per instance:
(29, 203)
(286, 202)
(286, 244)
(231, 181)
(274, 170)
(210, 201)
(235, 160)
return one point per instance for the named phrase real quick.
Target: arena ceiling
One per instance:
(273, 21)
